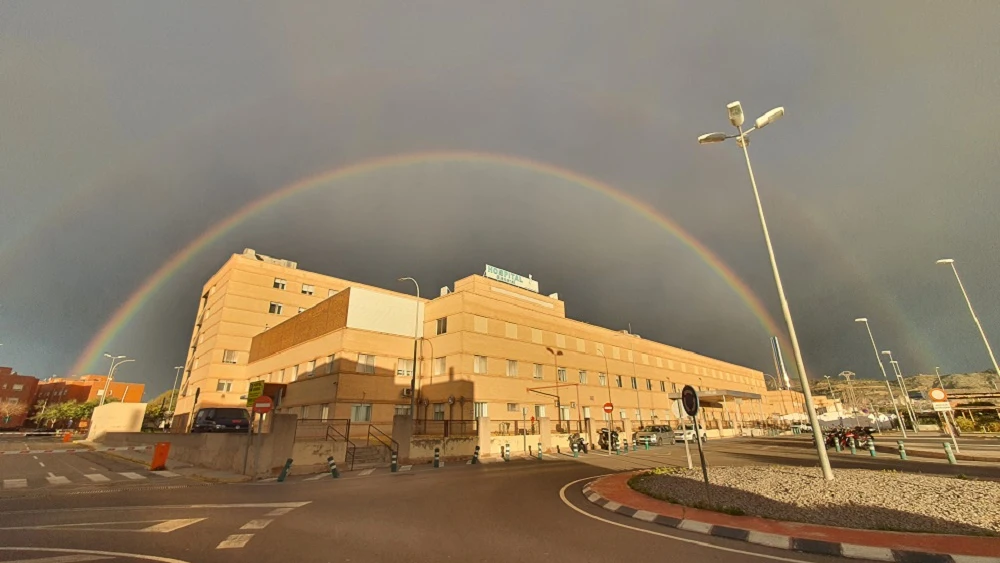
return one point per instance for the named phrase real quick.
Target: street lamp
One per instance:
(555, 359)
(736, 118)
(950, 262)
(884, 376)
(607, 380)
(416, 336)
(111, 374)
(173, 390)
(902, 387)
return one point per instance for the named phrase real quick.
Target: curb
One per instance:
(742, 528)
(201, 478)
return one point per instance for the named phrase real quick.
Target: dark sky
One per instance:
(129, 128)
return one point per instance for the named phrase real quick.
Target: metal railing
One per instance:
(446, 428)
(567, 427)
(513, 427)
(381, 438)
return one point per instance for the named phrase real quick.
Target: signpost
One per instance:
(689, 398)
(608, 409)
(256, 390)
(261, 406)
(941, 404)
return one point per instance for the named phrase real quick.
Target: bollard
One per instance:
(333, 467)
(635, 445)
(437, 457)
(836, 444)
(647, 444)
(902, 450)
(854, 446)
(506, 453)
(284, 470)
(394, 467)
(871, 447)
(475, 456)
(948, 452)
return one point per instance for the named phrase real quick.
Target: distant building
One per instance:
(87, 388)
(15, 389)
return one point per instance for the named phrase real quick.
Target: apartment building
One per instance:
(87, 388)
(17, 394)
(249, 294)
(487, 348)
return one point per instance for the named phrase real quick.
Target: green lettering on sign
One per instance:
(256, 390)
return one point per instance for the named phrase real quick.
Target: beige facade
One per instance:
(248, 295)
(487, 349)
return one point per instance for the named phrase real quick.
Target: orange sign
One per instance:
(937, 394)
(160, 452)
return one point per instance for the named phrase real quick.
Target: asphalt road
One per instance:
(488, 513)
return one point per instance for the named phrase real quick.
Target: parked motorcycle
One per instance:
(577, 440)
(603, 440)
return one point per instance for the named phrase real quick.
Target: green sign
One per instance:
(256, 390)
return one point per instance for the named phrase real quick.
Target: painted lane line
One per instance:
(166, 474)
(156, 558)
(34, 457)
(279, 512)
(57, 479)
(131, 475)
(42, 464)
(317, 477)
(256, 524)
(234, 541)
(62, 559)
(154, 508)
(97, 477)
(171, 525)
(562, 496)
(366, 472)
(15, 483)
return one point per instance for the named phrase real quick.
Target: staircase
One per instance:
(370, 456)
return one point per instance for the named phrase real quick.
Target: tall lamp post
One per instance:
(902, 387)
(115, 362)
(742, 140)
(416, 339)
(173, 390)
(607, 380)
(884, 376)
(950, 262)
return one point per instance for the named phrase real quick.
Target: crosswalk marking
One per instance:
(97, 477)
(256, 524)
(131, 475)
(15, 483)
(166, 474)
(234, 541)
(317, 477)
(405, 467)
(366, 472)
(57, 479)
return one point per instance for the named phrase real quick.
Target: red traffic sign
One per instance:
(938, 394)
(689, 399)
(262, 405)
(609, 408)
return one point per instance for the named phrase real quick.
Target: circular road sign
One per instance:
(689, 398)
(609, 408)
(937, 394)
(263, 405)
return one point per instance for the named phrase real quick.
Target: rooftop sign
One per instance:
(494, 273)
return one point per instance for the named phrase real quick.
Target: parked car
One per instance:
(221, 420)
(689, 435)
(656, 435)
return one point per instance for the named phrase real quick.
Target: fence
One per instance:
(446, 428)
(513, 427)
(568, 427)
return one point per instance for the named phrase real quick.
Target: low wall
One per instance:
(311, 457)
(452, 448)
(116, 417)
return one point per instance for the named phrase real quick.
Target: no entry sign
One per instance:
(262, 405)
(689, 398)
(609, 408)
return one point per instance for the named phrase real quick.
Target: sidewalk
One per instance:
(145, 457)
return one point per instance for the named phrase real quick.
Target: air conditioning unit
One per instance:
(407, 392)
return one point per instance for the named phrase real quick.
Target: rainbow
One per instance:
(127, 311)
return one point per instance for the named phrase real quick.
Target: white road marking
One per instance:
(171, 525)
(317, 477)
(562, 496)
(131, 475)
(57, 479)
(166, 474)
(644, 515)
(42, 464)
(15, 483)
(35, 456)
(405, 467)
(695, 526)
(366, 472)
(97, 477)
(279, 512)
(161, 507)
(256, 524)
(866, 552)
(93, 552)
(234, 541)
(62, 559)
(770, 540)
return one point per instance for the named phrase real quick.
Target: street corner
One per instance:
(613, 493)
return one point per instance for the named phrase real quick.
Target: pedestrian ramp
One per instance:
(52, 479)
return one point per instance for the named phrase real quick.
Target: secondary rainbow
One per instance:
(91, 353)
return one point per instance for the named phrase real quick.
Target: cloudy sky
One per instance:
(128, 129)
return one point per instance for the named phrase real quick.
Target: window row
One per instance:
(305, 289)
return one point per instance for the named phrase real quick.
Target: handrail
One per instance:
(352, 448)
(392, 445)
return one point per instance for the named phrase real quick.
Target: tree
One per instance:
(11, 410)
(155, 413)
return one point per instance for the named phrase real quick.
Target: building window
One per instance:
(561, 374)
(479, 324)
(618, 380)
(361, 413)
(510, 330)
(438, 411)
(329, 363)
(480, 410)
(16, 387)
(229, 356)
(511, 368)
(649, 385)
(12, 400)
(564, 413)
(281, 376)
(663, 386)
(538, 371)
(442, 326)
(602, 379)
(279, 283)
(402, 410)
(560, 341)
(583, 377)
(635, 384)
(366, 363)
(539, 411)
(512, 407)
(404, 368)
(607, 417)
(325, 411)
(311, 368)
(440, 364)
(275, 308)
(479, 364)
(223, 386)
(586, 412)
(302, 411)
(308, 289)
(638, 414)
(622, 414)
(302, 309)
(673, 387)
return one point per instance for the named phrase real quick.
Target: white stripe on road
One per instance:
(42, 464)
(279, 512)
(171, 525)
(166, 474)
(866, 552)
(234, 541)
(57, 479)
(405, 467)
(62, 559)
(15, 483)
(131, 475)
(97, 477)
(317, 477)
(256, 524)
(366, 472)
